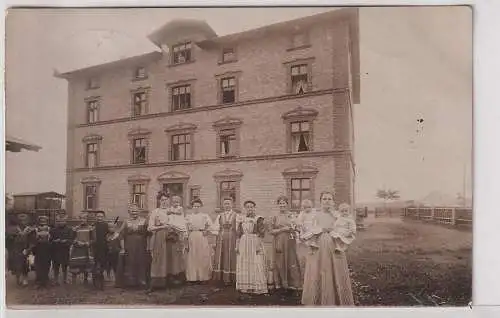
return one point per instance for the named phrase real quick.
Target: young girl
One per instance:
(344, 228)
(251, 273)
(199, 256)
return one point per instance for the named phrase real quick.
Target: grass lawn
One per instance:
(393, 263)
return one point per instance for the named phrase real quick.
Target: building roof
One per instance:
(29, 194)
(14, 144)
(207, 38)
(134, 60)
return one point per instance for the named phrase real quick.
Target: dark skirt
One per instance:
(80, 260)
(133, 264)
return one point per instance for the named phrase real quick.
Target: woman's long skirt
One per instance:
(251, 275)
(326, 280)
(80, 259)
(159, 259)
(224, 268)
(134, 262)
(199, 258)
(287, 273)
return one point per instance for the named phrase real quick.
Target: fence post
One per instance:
(453, 216)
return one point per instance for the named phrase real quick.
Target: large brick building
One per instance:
(251, 115)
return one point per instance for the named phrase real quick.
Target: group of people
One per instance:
(171, 246)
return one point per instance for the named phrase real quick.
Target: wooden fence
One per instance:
(441, 215)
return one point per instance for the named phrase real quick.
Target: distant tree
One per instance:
(387, 195)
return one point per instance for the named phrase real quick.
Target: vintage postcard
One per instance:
(239, 156)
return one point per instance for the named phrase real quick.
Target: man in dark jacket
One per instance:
(100, 245)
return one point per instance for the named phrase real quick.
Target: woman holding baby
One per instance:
(326, 278)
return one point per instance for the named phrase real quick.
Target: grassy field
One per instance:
(393, 263)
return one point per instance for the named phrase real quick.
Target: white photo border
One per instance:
(486, 280)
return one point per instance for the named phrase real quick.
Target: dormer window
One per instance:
(140, 73)
(181, 53)
(228, 55)
(93, 83)
(299, 40)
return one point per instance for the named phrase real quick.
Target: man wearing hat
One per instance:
(41, 251)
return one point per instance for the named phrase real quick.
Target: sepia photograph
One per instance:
(256, 156)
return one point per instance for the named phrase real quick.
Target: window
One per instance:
(181, 147)
(228, 137)
(300, 136)
(140, 103)
(299, 129)
(91, 156)
(228, 185)
(90, 197)
(92, 111)
(174, 189)
(300, 189)
(139, 195)
(139, 150)
(181, 97)
(299, 79)
(228, 55)
(93, 83)
(227, 190)
(227, 142)
(181, 53)
(228, 90)
(299, 40)
(300, 184)
(194, 193)
(140, 73)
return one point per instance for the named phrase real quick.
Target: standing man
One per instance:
(62, 237)
(100, 246)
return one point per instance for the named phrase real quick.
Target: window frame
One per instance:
(86, 183)
(171, 177)
(135, 135)
(228, 175)
(134, 92)
(222, 60)
(86, 141)
(180, 44)
(136, 76)
(228, 124)
(139, 179)
(308, 62)
(178, 96)
(192, 189)
(88, 102)
(170, 86)
(226, 76)
(299, 114)
(93, 82)
(300, 172)
(181, 129)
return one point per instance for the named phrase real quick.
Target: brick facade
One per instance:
(264, 108)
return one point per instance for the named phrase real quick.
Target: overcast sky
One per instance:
(416, 63)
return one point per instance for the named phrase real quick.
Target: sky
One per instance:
(413, 127)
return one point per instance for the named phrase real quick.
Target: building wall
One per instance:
(262, 90)
(262, 182)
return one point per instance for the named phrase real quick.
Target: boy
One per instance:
(42, 251)
(114, 250)
(100, 246)
(61, 238)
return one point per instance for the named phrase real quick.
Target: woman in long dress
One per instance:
(176, 242)
(327, 281)
(133, 248)
(286, 267)
(81, 260)
(157, 225)
(225, 227)
(251, 273)
(199, 256)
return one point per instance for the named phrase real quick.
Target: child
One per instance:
(306, 224)
(42, 251)
(345, 227)
(61, 236)
(176, 242)
(176, 218)
(100, 247)
(81, 260)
